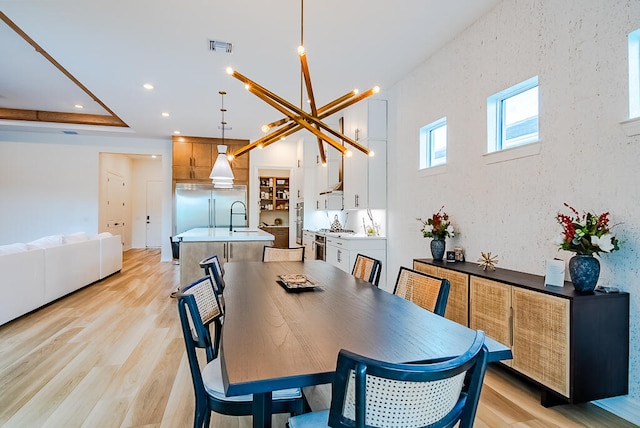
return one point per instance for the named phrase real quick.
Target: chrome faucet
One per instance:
(231, 214)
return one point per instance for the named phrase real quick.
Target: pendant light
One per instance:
(221, 174)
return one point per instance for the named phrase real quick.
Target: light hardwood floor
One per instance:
(112, 355)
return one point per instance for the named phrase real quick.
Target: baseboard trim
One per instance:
(622, 406)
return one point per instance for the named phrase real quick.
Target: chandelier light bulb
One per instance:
(260, 146)
(265, 128)
(229, 70)
(247, 86)
(300, 50)
(372, 153)
(376, 89)
(348, 153)
(356, 91)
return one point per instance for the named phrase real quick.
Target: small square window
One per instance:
(433, 144)
(512, 116)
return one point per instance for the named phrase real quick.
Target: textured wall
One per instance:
(579, 51)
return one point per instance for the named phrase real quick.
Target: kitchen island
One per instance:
(199, 243)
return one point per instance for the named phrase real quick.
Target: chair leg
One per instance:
(200, 419)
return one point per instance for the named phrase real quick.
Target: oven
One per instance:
(321, 249)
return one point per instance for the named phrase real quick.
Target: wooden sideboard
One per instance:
(574, 345)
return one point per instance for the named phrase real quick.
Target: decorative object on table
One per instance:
(585, 234)
(438, 227)
(487, 261)
(451, 256)
(459, 252)
(555, 273)
(298, 282)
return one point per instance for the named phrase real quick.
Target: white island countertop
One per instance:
(204, 234)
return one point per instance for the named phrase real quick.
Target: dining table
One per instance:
(275, 338)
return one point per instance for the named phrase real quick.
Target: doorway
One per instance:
(154, 214)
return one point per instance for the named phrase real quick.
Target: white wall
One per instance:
(49, 182)
(579, 51)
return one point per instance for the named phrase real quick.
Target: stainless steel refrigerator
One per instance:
(200, 205)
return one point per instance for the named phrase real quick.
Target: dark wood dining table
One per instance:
(274, 339)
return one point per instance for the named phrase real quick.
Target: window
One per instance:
(634, 74)
(433, 144)
(512, 116)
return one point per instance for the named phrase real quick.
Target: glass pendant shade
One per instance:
(221, 174)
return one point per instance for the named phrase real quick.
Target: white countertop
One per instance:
(343, 235)
(201, 234)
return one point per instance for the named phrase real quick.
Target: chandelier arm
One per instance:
(282, 102)
(312, 99)
(293, 127)
(300, 121)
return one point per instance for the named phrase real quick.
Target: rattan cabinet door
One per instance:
(490, 309)
(458, 301)
(426, 268)
(541, 338)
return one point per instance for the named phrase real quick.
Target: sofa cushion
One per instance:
(75, 237)
(46, 242)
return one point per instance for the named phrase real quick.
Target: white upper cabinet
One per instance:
(365, 177)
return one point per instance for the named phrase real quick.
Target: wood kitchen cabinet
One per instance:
(193, 159)
(574, 345)
(281, 235)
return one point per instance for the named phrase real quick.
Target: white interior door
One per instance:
(154, 214)
(116, 196)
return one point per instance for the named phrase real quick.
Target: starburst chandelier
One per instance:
(295, 118)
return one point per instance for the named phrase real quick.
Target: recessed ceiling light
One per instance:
(176, 132)
(153, 156)
(165, 114)
(148, 86)
(80, 106)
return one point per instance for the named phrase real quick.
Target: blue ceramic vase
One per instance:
(437, 249)
(584, 270)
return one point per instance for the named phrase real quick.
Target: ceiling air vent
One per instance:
(220, 46)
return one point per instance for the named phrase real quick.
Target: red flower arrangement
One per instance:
(586, 233)
(438, 226)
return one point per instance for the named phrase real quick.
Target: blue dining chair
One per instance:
(372, 393)
(199, 308)
(424, 290)
(213, 268)
(367, 269)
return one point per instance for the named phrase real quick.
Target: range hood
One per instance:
(333, 189)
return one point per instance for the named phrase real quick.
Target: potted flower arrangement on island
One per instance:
(585, 234)
(438, 227)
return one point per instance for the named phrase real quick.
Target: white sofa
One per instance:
(34, 274)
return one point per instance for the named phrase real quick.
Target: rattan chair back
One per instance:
(272, 254)
(367, 269)
(214, 270)
(372, 393)
(426, 291)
